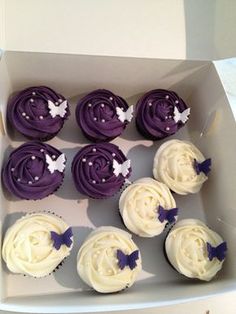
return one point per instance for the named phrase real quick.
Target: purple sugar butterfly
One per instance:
(60, 239)
(219, 251)
(127, 260)
(167, 214)
(204, 166)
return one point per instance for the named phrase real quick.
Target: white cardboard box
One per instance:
(211, 128)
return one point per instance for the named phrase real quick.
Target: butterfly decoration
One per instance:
(60, 239)
(125, 115)
(181, 116)
(58, 164)
(127, 260)
(121, 168)
(57, 110)
(204, 166)
(218, 252)
(167, 214)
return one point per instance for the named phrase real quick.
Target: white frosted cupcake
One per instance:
(146, 206)
(181, 166)
(109, 260)
(36, 244)
(194, 250)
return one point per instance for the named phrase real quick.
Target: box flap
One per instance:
(170, 29)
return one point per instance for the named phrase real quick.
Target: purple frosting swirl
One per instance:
(96, 115)
(26, 173)
(29, 113)
(92, 170)
(154, 113)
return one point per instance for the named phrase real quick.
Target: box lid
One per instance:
(170, 29)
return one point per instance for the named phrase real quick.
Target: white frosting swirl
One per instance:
(97, 262)
(173, 165)
(28, 248)
(139, 206)
(186, 249)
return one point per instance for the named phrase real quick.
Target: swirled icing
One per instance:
(97, 117)
(29, 113)
(28, 248)
(155, 113)
(93, 173)
(186, 249)
(139, 206)
(97, 262)
(26, 173)
(174, 166)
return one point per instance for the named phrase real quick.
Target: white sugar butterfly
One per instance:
(57, 110)
(125, 115)
(121, 168)
(181, 116)
(58, 164)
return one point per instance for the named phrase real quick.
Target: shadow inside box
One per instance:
(67, 275)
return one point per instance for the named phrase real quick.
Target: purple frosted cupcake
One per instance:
(100, 170)
(34, 170)
(38, 112)
(102, 116)
(160, 113)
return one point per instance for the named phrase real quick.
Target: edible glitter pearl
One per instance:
(150, 104)
(176, 101)
(170, 117)
(89, 105)
(103, 120)
(94, 181)
(166, 117)
(41, 117)
(103, 180)
(102, 105)
(56, 103)
(33, 157)
(84, 159)
(12, 169)
(167, 128)
(33, 93)
(36, 178)
(31, 100)
(53, 156)
(23, 114)
(167, 97)
(94, 150)
(60, 100)
(111, 98)
(95, 119)
(27, 117)
(18, 180)
(41, 150)
(29, 182)
(90, 163)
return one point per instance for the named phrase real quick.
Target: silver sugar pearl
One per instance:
(94, 150)
(103, 180)
(41, 150)
(41, 117)
(27, 117)
(60, 100)
(89, 105)
(33, 157)
(102, 105)
(90, 163)
(12, 169)
(84, 159)
(33, 93)
(167, 97)
(166, 117)
(95, 119)
(150, 104)
(170, 117)
(36, 178)
(176, 101)
(113, 154)
(23, 114)
(56, 103)
(53, 156)
(30, 182)
(167, 128)
(94, 181)
(31, 100)
(18, 180)
(111, 98)
(103, 120)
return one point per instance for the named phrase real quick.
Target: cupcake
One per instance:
(100, 170)
(34, 170)
(160, 113)
(146, 206)
(36, 244)
(109, 260)
(102, 116)
(37, 112)
(194, 250)
(181, 166)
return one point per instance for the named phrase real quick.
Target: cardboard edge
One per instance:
(2, 26)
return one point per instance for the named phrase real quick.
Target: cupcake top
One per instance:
(160, 113)
(194, 250)
(34, 170)
(146, 206)
(102, 116)
(109, 260)
(99, 170)
(38, 112)
(181, 166)
(36, 244)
